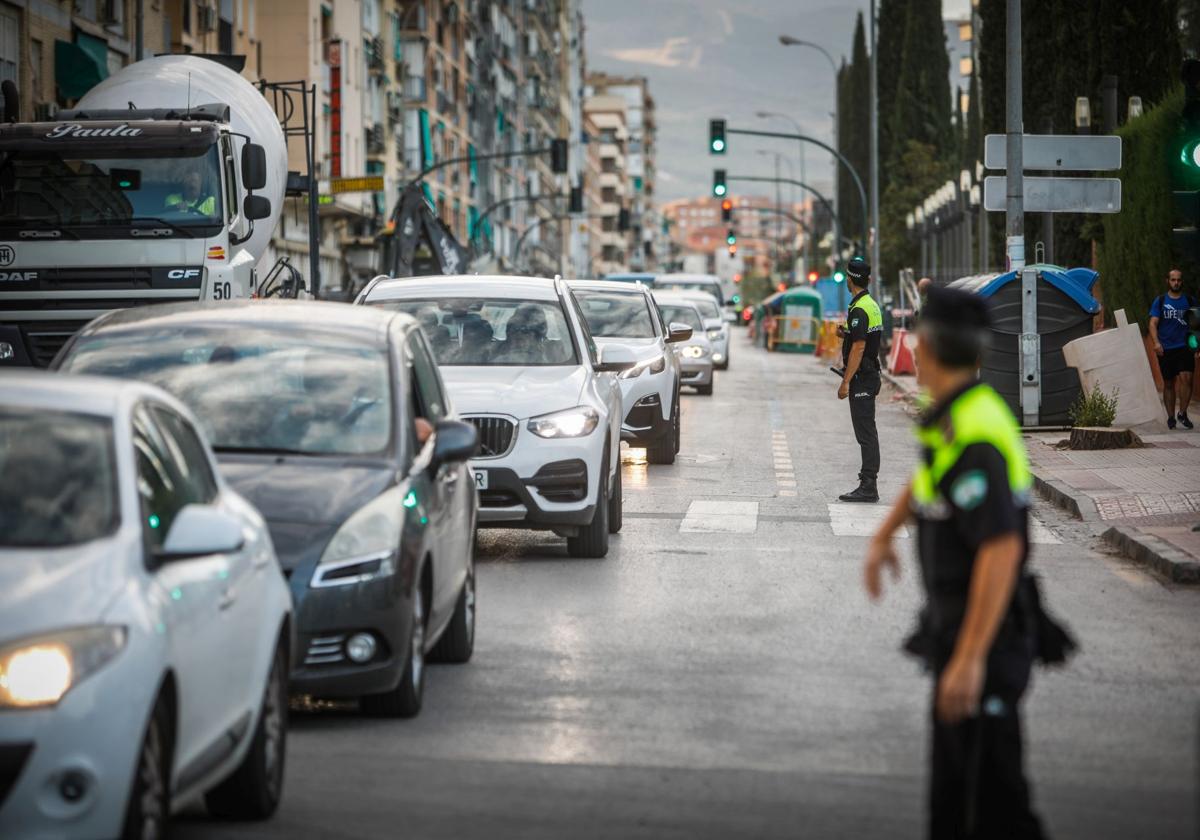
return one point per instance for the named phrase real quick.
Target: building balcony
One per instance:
(413, 88)
(612, 179)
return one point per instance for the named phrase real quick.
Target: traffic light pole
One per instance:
(538, 222)
(496, 205)
(862, 193)
(837, 229)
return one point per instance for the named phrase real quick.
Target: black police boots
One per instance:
(866, 491)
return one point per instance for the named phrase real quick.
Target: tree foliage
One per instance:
(854, 140)
(925, 169)
(1136, 251)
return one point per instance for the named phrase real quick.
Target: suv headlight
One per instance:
(39, 671)
(574, 422)
(656, 365)
(365, 546)
(694, 351)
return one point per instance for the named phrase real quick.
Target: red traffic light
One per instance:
(737, 278)
(727, 204)
(812, 277)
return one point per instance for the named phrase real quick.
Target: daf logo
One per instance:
(18, 276)
(183, 273)
(7, 254)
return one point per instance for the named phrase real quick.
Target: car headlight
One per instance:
(364, 547)
(713, 335)
(39, 671)
(694, 351)
(656, 365)
(574, 422)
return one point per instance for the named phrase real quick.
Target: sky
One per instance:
(722, 58)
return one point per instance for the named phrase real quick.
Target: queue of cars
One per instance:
(208, 507)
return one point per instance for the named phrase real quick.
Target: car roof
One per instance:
(357, 321)
(675, 299)
(609, 286)
(463, 285)
(98, 395)
(688, 278)
(693, 294)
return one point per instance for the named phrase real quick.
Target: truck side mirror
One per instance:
(256, 207)
(254, 167)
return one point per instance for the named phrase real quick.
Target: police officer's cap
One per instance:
(955, 308)
(859, 268)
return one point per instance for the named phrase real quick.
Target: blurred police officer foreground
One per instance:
(983, 625)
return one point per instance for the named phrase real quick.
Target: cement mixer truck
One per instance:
(163, 184)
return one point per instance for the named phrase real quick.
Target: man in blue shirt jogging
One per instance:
(1169, 333)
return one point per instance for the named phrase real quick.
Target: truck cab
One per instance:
(106, 209)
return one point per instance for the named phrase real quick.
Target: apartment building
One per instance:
(696, 227)
(57, 50)
(224, 27)
(608, 115)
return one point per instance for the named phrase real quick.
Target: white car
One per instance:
(716, 330)
(696, 353)
(625, 313)
(146, 623)
(519, 362)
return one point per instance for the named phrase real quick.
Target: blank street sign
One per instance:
(1057, 195)
(1057, 152)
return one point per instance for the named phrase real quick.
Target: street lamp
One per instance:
(1083, 115)
(1135, 108)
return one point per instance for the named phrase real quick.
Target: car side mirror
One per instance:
(256, 207)
(678, 332)
(200, 530)
(254, 166)
(453, 442)
(615, 358)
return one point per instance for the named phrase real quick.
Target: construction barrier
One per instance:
(900, 360)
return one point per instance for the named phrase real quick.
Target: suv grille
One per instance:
(495, 435)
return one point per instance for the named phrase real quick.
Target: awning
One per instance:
(81, 66)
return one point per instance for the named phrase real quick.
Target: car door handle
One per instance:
(228, 597)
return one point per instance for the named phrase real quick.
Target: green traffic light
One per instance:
(1189, 155)
(1193, 342)
(737, 299)
(718, 145)
(731, 239)
(718, 189)
(838, 277)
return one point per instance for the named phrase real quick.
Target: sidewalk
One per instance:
(1144, 500)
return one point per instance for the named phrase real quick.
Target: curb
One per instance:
(910, 396)
(1079, 505)
(1154, 552)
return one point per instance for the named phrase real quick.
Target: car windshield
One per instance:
(681, 314)
(492, 331)
(707, 306)
(279, 390)
(615, 315)
(58, 482)
(664, 284)
(43, 190)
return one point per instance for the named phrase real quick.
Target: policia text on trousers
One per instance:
(860, 355)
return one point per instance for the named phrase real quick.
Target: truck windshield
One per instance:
(107, 197)
(59, 482)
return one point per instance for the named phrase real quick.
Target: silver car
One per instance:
(696, 353)
(715, 327)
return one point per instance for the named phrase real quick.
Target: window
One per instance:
(966, 66)
(186, 17)
(189, 452)
(231, 191)
(163, 485)
(36, 57)
(429, 399)
(10, 44)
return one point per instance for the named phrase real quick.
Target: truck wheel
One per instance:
(254, 789)
(592, 540)
(405, 699)
(663, 450)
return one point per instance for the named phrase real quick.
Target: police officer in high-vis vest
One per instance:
(983, 626)
(860, 378)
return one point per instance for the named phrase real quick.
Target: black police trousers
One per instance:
(977, 786)
(863, 390)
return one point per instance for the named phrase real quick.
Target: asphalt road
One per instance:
(722, 674)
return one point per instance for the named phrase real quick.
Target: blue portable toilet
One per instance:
(1066, 308)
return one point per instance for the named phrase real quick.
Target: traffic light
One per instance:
(737, 278)
(727, 210)
(731, 237)
(558, 155)
(1192, 319)
(838, 276)
(622, 220)
(813, 277)
(1185, 170)
(576, 200)
(716, 136)
(736, 299)
(732, 249)
(719, 188)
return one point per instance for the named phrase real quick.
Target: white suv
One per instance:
(519, 362)
(146, 631)
(625, 313)
(716, 330)
(696, 352)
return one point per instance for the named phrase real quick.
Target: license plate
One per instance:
(481, 479)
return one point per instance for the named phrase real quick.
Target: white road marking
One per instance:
(859, 520)
(720, 517)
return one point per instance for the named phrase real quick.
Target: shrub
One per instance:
(1094, 408)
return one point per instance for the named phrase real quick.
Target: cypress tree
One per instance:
(973, 141)
(854, 140)
(893, 15)
(922, 111)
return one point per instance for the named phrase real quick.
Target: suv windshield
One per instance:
(615, 315)
(681, 314)
(707, 306)
(109, 195)
(666, 284)
(280, 390)
(58, 482)
(492, 331)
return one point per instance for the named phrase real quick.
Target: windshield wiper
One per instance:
(141, 231)
(262, 450)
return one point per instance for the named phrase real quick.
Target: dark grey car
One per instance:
(333, 421)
